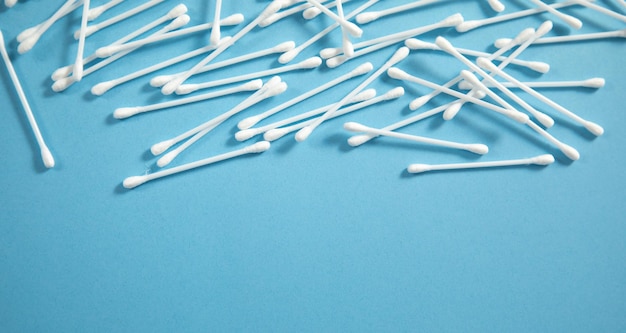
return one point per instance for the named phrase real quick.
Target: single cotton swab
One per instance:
(538, 160)
(116, 19)
(215, 31)
(570, 20)
(46, 155)
(78, 63)
(259, 147)
(572, 38)
(349, 27)
(95, 12)
(371, 16)
(476, 148)
(594, 83)
(29, 42)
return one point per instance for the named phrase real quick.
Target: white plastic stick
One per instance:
(398, 56)
(251, 121)
(371, 16)
(572, 38)
(594, 83)
(46, 155)
(116, 19)
(216, 31)
(309, 63)
(125, 112)
(78, 63)
(259, 147)
(350, 27)
(570, 20)
(29, 42)
(30, 31)
(537, 160)
(601, 9)
(171, 86)
(476, 148)
(95, 12)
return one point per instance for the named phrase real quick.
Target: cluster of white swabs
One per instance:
(476, 80)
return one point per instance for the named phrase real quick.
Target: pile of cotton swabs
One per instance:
(476, 80)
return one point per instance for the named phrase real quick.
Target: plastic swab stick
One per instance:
(310, 63)
(78, 63)
(30, 31)
(107, 51)
(171, 86)
(594, 83)
(277, 133)
(125, 112)
(95, 12)
(476, 148)
(572, 38)
(29, 42)
(349, 27)
(251, 121)
(346, 44)
(215, 31)
(172, 14)
(570, 20)
(287, 57)
(116, 19)
(473, 24)
(371, 16)
(496, 5)
(601, 9)
(102, 87)
(398, 56)
(159, 81)
(590, 126)
(259, 147)
(246, 134)
(537, 160)
(46, 155)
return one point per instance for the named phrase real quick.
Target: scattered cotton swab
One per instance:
(572, 38)
(284, 13)
(216, 31)
(601, 9)
(313, 12)
(95, 12)
(538, 160)
(78, 63)
(62, 12)
(92, 29)
(46, 155)
(594, 83)
(29, 42)
(570, 20)
(371, 16)
(349, 27)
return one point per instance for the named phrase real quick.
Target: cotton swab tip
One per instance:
(134, 181)
(364, 95)
(452, 21)
(354, 127)
(62, 72)
(357, 140)
(400, 54)
(418, 168)
(594, 128)
(102, 87)
(330, 52)
(539, 66)
(258, 147)
(397, 73)
(452, 111)
(444, 44)
(107, 51)
(46, 157)
(368, 17)
(394, 93)
(544, 28)
(468, 25)
(477, 148)
(311, 13)
(569, 151)
(171, 85)
(596, 82)
(62, 84)
(310, 63)
(288, 56)
(233, 19)
(27, 44)
(177, 11)
(543, 159)
(160, 81)
(284, 47)
(496, 5)
(416, 44)
(185, 89)
(248, 122)
(362, 69)
(167, 159)
(159, 148)
(245, 134)
(275, 134)
(304, 133)
(123, 113)
(419, 102)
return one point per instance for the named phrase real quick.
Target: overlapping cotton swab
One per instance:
(251, 121)
(476, 148)
(125, 112)
(116, 19)
(537, 160)
(571, 38)
(398, 56)
(30, 31)
(349, 27)
(371, 16)
(216, 31)
(601, 9)
(29, 42)
(95, 12)
(347, 47)
(46, 155)
(570, 20)
(309, 63)
(594, 83)
(313, 12)
(78, 63)
(109, 50)
(259, 147)
(284, 13)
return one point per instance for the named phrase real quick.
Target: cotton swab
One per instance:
(287, 57)
(349, 27)
(116, 19)
(171, 86)
(251, 121)
(398, 56)
(125, 112)
(65, 82)
(309, 63)
(29, 42)
(159, 81)
(570, 20)
(371, 16)
(496, 5)
(216, 31)
(30, 31)
(95, 12)
(46, 155)
(537, 66)
(473, 24)
(594, 83)
(246, 134)
(601, 9)
(313, 12)
(537, 160)
(590, 126)
(348, 49)
(277, 133)
(282, 14)
(78, 63)
(109, 50)
(259, 147)
(572, 38)
(476, 148)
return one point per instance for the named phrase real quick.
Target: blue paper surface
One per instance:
(311, 236)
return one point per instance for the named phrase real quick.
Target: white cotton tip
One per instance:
(46, 157)
(357, 140)
(27, 44)
(452, 111)
(10, 3)
(272, 8)
(486, 64)
(178, 22)
(102, 87)
(348, 48)
(400, 54)
(62, 84)
(544, 28)
(480, 94)
(362, 69)
(94, 13)
(468, 25)
(159, 148)
(62, 72)
(78, 70)
(464, 85)
(444, 44)
(477, 148)
(252, 85)
(288, 56)
(452, 21)
(418, 168)
(161, 80)
(284, 47)
(570, 152)
(367, 17)
(304, 133)
(524, 35)
(258, 147)
(26, 33)
(336, 61)
(167, 158)
(594, 128)
(364, 95)
(416, 44)
(539, 66)
(107, 51)
(544, 119)
(354, 127)
(132, 182)
(245, 134)
(330, 52)
(123, 113)
(596, 82)
(572, 21)
(394, 93)
(185, 89)
(419, 102)
(248, 122)
(275, 134)
(177, 11)
(276, 90)
(520, 117)
(310, 63)
(397, 73)
(232, 19)
(543, 159)
(311, 13)
(353, 29)
(496, 5)
(502, 42)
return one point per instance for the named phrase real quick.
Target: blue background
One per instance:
(316, 236)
